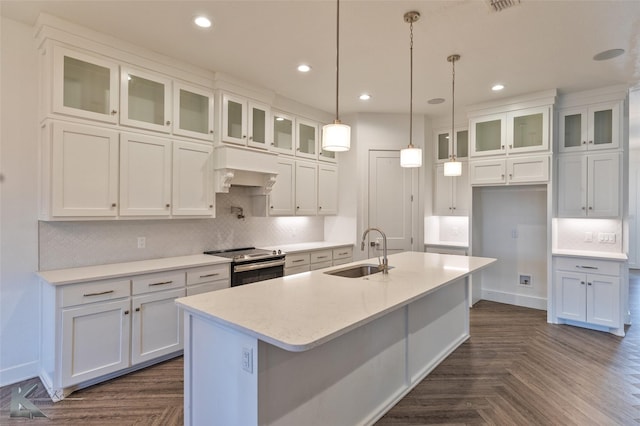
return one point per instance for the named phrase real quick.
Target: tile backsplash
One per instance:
(585, 234)
(83, 243)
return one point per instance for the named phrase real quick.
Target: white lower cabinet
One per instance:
(589, 293)
(95, 340)
(96, 330)
(311, 260)
(451, 193)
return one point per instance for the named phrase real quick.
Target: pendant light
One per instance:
(411, 156)
(336, 136)
(453, 167)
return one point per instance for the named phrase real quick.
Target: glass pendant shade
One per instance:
(336, 137)
(453, 168)
(411, 157)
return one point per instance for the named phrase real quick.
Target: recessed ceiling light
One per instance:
(497, 87)
(365, 97)
(608, 54)
(435, 101)
(304, 68)
(202, 21)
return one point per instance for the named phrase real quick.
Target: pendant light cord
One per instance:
(411, 84)
(453, 106)
(337, 57)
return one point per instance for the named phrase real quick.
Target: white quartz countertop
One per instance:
(299, 312)
(114, 270)
(302, 247)
(590, 254)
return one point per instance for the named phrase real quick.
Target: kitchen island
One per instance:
(314, 348)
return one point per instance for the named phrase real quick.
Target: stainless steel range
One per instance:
(249, 264)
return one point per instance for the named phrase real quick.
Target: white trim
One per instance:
(18, 373)
(515, 299)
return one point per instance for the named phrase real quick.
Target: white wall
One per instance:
(634, 178)
(19, 295)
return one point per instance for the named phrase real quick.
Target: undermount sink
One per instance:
(357, 271)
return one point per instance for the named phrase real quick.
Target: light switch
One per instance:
(588, 237)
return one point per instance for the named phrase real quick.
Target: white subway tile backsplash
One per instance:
(83, 243)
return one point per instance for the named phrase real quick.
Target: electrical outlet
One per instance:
(142, 242)
(247, 360)
(525, 280)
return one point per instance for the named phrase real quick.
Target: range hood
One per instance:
(244, 167)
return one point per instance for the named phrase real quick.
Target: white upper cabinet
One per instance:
(145, 175)
(514, 132)
(451, 193)
(445, 147)
(145, 100)
(306, 138)
(589, 128)
(306, 188)
(245, 122)
(282, 196)
(327, 189)
(283, 133)
(192, 180)
(193, 111)
(84, 86)
(80, 176)
(589, 185)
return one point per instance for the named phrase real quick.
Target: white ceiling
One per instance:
(532, 46)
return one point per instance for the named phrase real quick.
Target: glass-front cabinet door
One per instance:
(445, 148)
(528, 130)
(283, 133)
(589, 128)
(323, 154)
(234, 119)
(145, 100)
(442, 146)
(488, 135)
(462, 144)
(259, 125)
(307, 138)
(193, 112)
(84, 86)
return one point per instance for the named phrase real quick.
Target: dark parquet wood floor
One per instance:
(515, 370)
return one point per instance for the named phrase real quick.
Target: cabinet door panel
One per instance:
(603, 186)
(84, 86)
(282, 197)
(571, 296)
(306, 139)
(572, 182)
(145, 175)
(283, 133)
(487, 172)
(145, 100)
(192, 180)
(327, 190)
(95, 340)
(572, 130)
(193, 112)
(306, 189)
(488, 135)
(259, 125)
(528, 169)
(528, 130)
(443, 192)
(157, 325)
(234, 119)
(461, 192)
(603, 300)
(604, 126)
(84, 171)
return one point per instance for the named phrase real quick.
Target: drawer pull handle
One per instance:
(322, 257)
(586, 267)
(297, 261)
(209, 275)
(99, 293)
(126, 312)
(137, 309)
(162, 283)
(588, 283)
(342, 254)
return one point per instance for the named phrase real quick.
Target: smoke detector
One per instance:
(500, 5)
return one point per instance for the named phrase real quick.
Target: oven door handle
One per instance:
(259, 265)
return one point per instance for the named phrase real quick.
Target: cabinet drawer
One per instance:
(296, 259)
(342, 253)
(158, 282)
(296, 270)
(208, 273)
(591, 266)
(321, 256)
(342, 261)
(320, 265)
(95, 291)
(207, 287)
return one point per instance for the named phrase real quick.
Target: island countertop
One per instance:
(299, 312)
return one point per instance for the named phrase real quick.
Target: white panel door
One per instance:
(306, 188)
(603, 300)
(443, 192)
(95, 340)
(84, 171)
(571, 296)
(156, 326)
(572, 182)
(603, 187)
(282, 197)
(390, 204)
(192, 180)
(327, 189)
(145, 175)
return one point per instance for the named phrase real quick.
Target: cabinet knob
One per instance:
(244, 136)
(297, 207)
(211, 131)
(588, 283)
(510, 146)
(502, 147)
(250, 138)
(113, 204)
(114, 112)
(168, 122)
(453, 208)
(583, 208)
(584, 142)
(126, 312)
(137, 309)
(582, 282)
(502, 176)
(319, 207)
(510, 176)
(210, 206)
(168, 205)
(590, 208)
(270, 207)
(590, 141)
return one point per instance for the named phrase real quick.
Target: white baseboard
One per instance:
(515, 299)
(18, 373)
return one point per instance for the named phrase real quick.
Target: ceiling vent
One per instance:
(499, 5)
